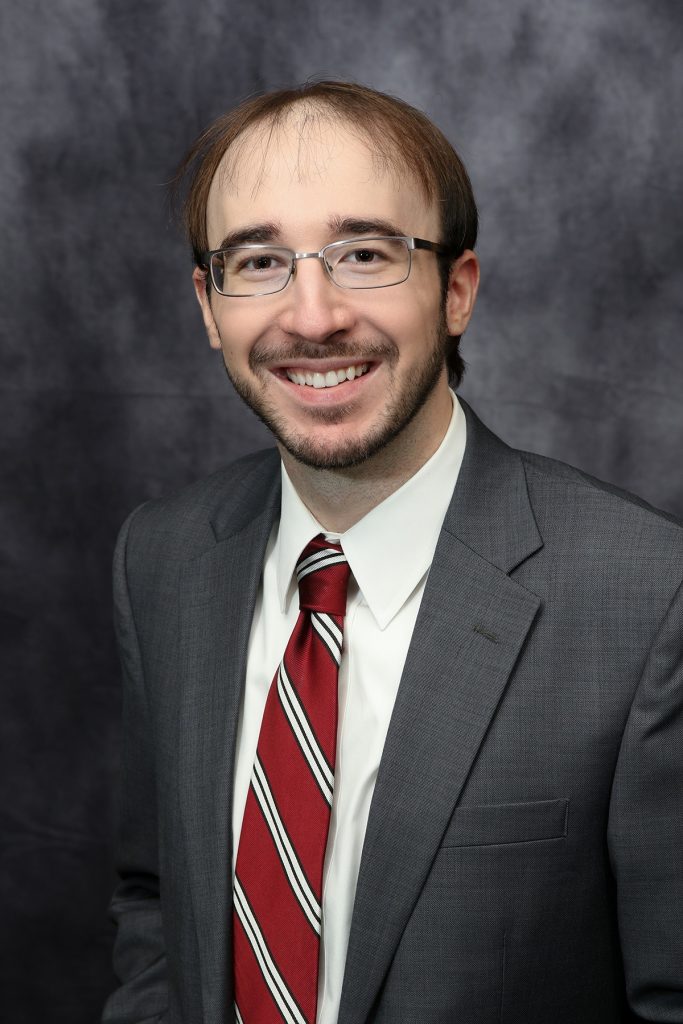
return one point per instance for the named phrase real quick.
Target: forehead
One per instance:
(308, 172)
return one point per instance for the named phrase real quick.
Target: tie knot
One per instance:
(323, 576)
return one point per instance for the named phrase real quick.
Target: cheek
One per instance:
(414, 325)
(397, 314)
(420, 307)
(237, 333)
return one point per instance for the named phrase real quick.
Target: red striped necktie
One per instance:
(277, 895)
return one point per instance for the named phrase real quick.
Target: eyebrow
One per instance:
(350, 226)
(252, 234)
(339, 227)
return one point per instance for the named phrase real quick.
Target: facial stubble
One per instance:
(404, 400)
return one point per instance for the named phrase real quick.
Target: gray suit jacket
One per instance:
(523, 860)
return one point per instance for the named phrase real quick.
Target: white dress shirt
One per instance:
(389, 551)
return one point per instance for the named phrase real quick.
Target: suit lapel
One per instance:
(218, 592)
(470, 629)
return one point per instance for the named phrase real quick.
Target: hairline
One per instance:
(271, 123)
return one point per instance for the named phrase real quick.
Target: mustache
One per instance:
(300, 348)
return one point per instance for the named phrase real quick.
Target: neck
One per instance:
(339, 498)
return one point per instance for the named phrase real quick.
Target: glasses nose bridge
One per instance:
(296, 256)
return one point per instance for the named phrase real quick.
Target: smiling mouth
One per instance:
(331, 379)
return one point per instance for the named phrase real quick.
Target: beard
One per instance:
(404, 399)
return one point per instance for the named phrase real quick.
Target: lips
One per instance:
(330, 379)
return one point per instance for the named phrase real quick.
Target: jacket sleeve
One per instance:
(645, 831)
(139, 952)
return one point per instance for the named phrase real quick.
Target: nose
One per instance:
(313, 307)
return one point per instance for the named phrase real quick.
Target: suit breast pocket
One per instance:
(503, 824)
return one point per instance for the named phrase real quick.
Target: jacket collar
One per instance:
(490, 511)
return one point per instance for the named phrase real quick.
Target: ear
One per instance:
(463, 283)
(200, 279)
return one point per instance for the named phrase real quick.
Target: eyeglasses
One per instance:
(250, 270)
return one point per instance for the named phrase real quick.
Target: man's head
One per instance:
(303, 169)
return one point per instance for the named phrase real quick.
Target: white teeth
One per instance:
(326, 380)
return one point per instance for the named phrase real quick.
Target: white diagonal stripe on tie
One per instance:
(332, 626)
(299, 711)
(288, 857)
(317, 556)
(326, 637)
(271, 975)
(334, 559)
(304, 734)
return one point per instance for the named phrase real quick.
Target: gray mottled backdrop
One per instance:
(569, 118)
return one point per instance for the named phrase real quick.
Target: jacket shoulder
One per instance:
(602, 523)
(552, 473)
(191, 519)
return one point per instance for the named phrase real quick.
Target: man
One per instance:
(456, 796)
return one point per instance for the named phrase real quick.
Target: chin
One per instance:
(340, 456)
(342, 453)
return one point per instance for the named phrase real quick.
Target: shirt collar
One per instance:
(391, 548)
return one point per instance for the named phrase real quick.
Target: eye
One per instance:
(369, 257)
(364, 257)
(261, 263)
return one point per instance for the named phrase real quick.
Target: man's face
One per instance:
(303, 191)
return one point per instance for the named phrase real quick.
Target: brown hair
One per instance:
(399, 134)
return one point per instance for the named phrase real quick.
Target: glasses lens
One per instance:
(250, 270)
(369, 262)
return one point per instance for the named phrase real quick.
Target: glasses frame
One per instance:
(411, 243)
